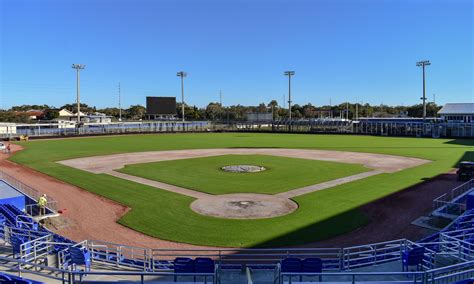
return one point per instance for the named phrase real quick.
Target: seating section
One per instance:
(23, 228)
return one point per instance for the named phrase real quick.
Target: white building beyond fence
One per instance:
(70, 129)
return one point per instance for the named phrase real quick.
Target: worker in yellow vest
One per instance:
(42, 201)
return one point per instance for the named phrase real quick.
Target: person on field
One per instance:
(42, 201)
(9, 150)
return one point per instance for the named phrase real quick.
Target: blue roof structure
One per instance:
(7, 191)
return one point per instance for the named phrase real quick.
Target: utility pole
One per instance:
(120, 103)
(289, 74)
(347, 110)
(182, 74)
(423, 63)
(78, 68)
(330, 108)
(434, 98)
(220, 97)
(357, 111)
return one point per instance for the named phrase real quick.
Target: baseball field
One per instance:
(327, 177)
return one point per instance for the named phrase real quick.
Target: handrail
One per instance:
(249, 275)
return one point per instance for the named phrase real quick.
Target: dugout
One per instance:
(9, 195)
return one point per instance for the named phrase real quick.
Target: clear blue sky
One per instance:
(340, 49)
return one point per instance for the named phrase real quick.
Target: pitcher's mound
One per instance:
(244, 206)
(243, 169)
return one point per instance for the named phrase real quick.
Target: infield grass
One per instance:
(320, 215)
(205, 174)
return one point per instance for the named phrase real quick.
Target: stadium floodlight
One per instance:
(289, 74)
(182, 74)
(422, 64)
(78, 68)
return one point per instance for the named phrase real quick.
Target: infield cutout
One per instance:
(243, 169)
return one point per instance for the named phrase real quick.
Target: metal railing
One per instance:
(450, 205)
(463, 188)
(377, 253)
(36, 249)
(450, 274)
(24, 233)
(161, 259)
(39, 246)
(334, 259)
(55, 129)
(71, 276)
(354, 277)
(130, 256)
(444, 275)
(250, 257)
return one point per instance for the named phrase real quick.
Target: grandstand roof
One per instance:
(457, 108)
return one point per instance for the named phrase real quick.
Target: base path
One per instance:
(243, 206)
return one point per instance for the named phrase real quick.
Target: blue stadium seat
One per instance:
(80, 256)
(413, 257)
(183, 265)
(291, 264)
(16, 242)
(312, 265)
(204, 265)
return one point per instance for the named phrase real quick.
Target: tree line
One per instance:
(216, 112)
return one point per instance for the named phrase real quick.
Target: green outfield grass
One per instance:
(320, 215)
(205, 174)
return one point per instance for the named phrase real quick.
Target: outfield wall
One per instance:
(89, 129)
(378, 127)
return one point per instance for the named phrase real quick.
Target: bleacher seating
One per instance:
(78, 257)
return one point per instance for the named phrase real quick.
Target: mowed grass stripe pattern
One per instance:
(205, 174)
(321, 214)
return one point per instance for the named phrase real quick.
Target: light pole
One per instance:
(78, 68)
(120, 102)
(423, 63)
(289, 74)
(182, 74)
